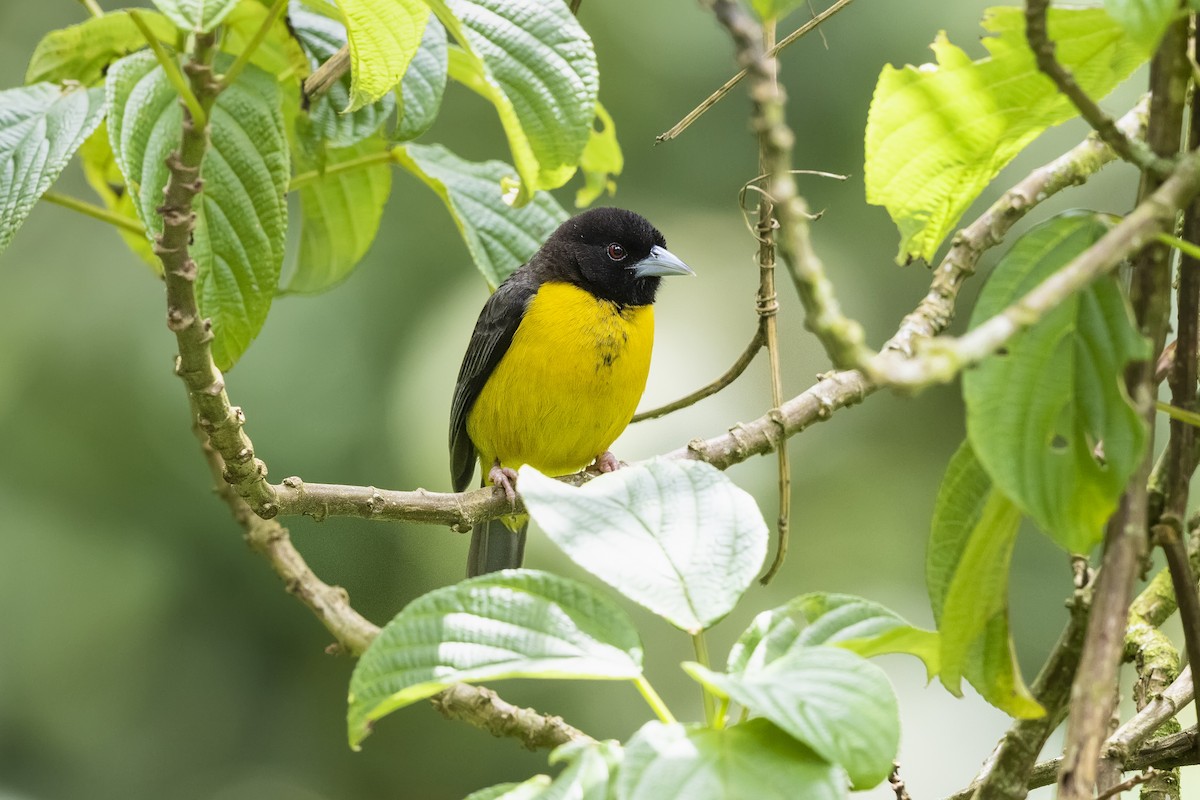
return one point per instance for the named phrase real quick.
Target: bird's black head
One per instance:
(615, 254)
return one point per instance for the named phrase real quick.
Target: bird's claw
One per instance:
(505, 478)
(607, 462)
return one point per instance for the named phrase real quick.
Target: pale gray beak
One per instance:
(661, 263)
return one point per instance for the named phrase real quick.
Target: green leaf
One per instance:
(601, 161)
(970, 520)
(535, 63)
(82, 52)
(321, 37)
(279, 53)
(751, 760)
(678, 537)
(384, 36)
(509, 624)
(937, 135)
(340, 212)
(1037, 414)
(41, 127)
(1144, 20)
(241, 217)
(499, 237)
(420, 93)
(196, 15)
(104, 176)
(768, 10)
(834, 701)
(531, 789)
(846, 621)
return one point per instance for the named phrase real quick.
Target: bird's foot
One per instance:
(607, 462)
(505, 478)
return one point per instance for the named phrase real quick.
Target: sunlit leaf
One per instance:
(530, 789)
(82, 52)
(1049, 418)
(601, 161)
(499, 237)
(104, 176)
(536, 65)
(321, 37)
(279, 53)
(752, 760)
(834, 701)
(937, 135)
(384, 37)
(678, 537)
(420, 93)
(509, 624)
(970, 523)
(241, 216)
(775, 9)
(41, 127)
(853, 623)
(196, 15)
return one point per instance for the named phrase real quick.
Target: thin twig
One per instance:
(1129, 783)
(93, 7)
(897, 783)
(243, 58)
(96, 212)
(1131, 150)
(716, 96)
(731, 375)
(1177, 750)
(327, 74)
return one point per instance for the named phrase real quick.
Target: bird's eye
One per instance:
(616, 252)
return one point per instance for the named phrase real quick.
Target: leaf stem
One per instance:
(93, 7)
(653, 700)
(368, 160)
(174, 75)
(1187, 248)
(1174, 412)
(248, 51)
(710, 706)
(95, 212)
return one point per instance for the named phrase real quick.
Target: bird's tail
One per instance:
(496, 545)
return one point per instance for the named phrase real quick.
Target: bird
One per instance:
(557, 364)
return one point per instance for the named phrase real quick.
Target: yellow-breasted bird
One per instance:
(557, 363)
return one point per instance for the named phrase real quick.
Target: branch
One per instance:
(1131, 150)
(327, 74)
(835, 390)
(716, 96)
(1177, 750)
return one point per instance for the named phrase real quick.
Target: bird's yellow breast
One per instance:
(568, 384)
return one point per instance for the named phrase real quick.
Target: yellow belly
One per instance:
(567, 386)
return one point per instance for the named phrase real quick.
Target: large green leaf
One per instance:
(1049, 418)
(937, 135)
(509, 624)
(499, 237)
(420, 93)
(853, 623)
(321, 37)
(752, 760)
(340, 212)
(589, 775)
(241, 216)
(196, 15)
(41, 127)
(678, 537)
(602, 160)
(83, 52)
(972, 524)
(384, 36)
(769, 10)
(834, 701)
(104, 176)
(1145, 20)
(535, 63)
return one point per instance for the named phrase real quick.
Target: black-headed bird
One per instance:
(557, 364)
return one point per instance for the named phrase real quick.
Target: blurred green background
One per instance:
(146, 653)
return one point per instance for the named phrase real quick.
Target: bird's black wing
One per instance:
(493, 334)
